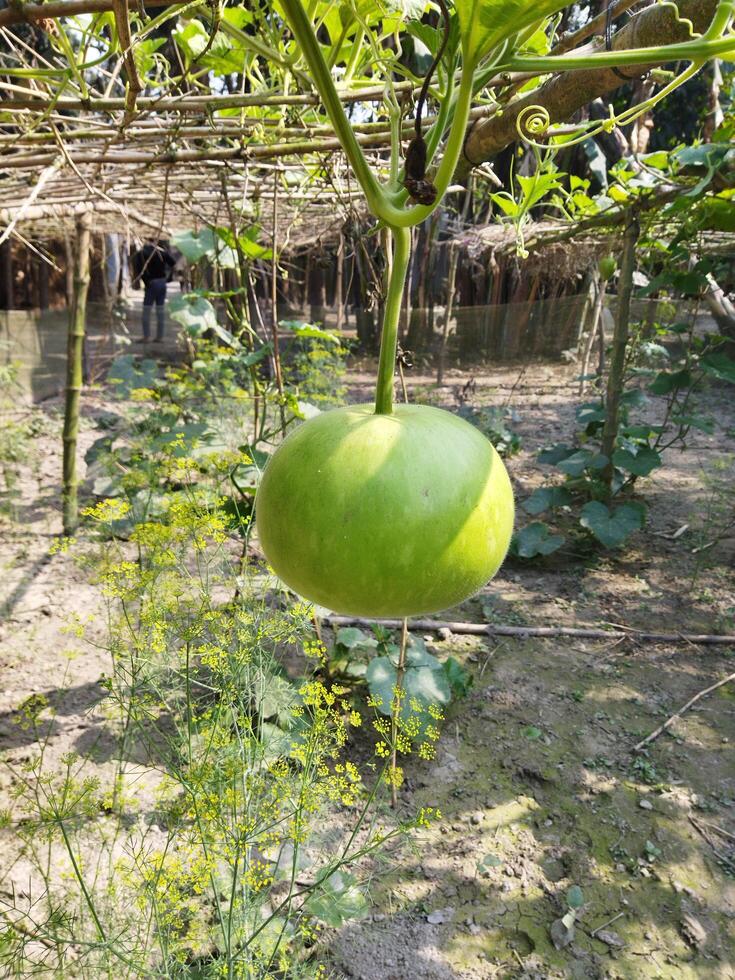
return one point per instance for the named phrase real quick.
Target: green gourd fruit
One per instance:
(607, 267)
(385, 515)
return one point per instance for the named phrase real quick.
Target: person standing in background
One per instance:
(152, 264)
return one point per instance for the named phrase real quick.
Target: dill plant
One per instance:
(225, 824)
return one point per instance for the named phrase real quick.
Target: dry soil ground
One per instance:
(535, 774)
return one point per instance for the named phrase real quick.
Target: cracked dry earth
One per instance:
(545, 807)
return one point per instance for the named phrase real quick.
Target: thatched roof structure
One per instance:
(133, 199)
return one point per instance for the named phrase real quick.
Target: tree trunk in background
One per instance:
(6, 276)
(451, 283)
(566, 93)
(714, 109)
(596, 284)
(620, 343)
(722, 310)
(339, 287)
(640, 134)
(75, 345)
(43, 277)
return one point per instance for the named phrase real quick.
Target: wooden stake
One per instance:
(274, 305)
(616, 376)
(74, 360)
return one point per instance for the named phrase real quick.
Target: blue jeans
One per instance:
(155, 292)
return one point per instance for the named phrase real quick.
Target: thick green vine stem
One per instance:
(401, 242)
(378, 197)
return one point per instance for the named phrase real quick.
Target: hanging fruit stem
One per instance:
(398, 264)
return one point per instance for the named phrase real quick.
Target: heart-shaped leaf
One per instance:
(719, 366)
(639, 464)
(424, 680)
(578, 462)
(535, 539)
(547, 498)
(611, 528)
(351, 637)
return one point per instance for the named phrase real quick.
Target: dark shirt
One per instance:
(152, 262)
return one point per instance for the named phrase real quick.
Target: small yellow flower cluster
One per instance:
(156, 539)
(194, 524)
(315, 650)
(258, 875)
(394, 776)
(108, 510)
(134, 480)
(143, 395)
(345, 784)
(214, 656)
(121, 580)
(426, 815)
(225, 461)
(62, 545)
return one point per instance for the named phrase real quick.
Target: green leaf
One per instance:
(658, 160)
(532, 733)
(100, 447)
(639, 464)
(251, 247)
(507, 204)
(460, 680)
(634, 398)
(275, 697)
(701, 422)
(197, 316)
(555, 454)
(717, 214)
(351, 637)
(547, 498)
(337, 900)
(611, 528)
(127, 374)
(644, 432)
(488, 862)
(424, 679)
(535, 539)
(718, 365)
(255, 356)
(575, 897)
(484, 24)
(309, 332)
(194, 246)
(668, 381)
(578, 462)
(591, 412)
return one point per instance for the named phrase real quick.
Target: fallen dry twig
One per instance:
(677, 714)
(486, 629)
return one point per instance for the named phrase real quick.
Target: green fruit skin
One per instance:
(607, 267)
(385, 515)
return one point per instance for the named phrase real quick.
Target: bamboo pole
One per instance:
(621, 334)
(75, 347)
(274, 309)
